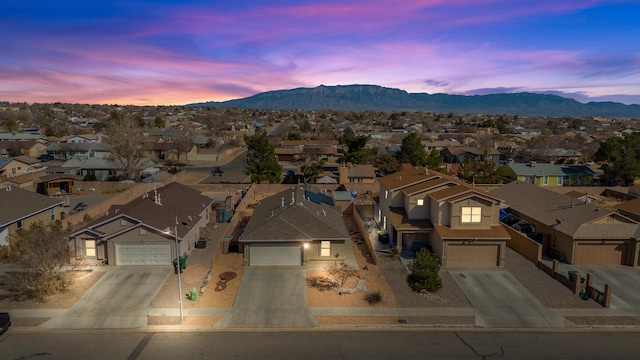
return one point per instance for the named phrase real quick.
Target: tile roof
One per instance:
(549, 207)
(278, 218)
(23, 203)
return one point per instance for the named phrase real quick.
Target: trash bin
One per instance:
(183, 262)
(175, 266)
(573, 275)
(194, 295)
(225, 244)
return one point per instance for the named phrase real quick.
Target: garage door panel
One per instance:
(270, 255)
(472, 255)
(601, 254)
(143, 254)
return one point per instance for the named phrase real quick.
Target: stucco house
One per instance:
(294, 227)
(20, 208)
(572, 230)
(540, 174)
(142, 232)
(419, 207)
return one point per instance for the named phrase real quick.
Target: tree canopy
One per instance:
(482, 172)
(356, 153)
(621, 156)
(412, 151)
(262, 163)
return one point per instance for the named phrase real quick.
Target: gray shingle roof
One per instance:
(549, 207)
(17, 204)
(302, 220)
(525, 169)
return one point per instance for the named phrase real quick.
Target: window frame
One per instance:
(468, 218)
(88, 249)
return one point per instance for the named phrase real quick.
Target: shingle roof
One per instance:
(623, 231)
(18, 204)
(302, 220)
(549, 207)
(632, 206)
(526, 169)
(408, 177)
(428, 185)
(178, 201)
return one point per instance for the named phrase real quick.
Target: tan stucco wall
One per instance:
(487, 218)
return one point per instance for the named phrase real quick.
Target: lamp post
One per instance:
(179, 271)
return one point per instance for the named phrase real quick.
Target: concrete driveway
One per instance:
(624, 282)
(118, 300)
(500, 301)
(270, 297)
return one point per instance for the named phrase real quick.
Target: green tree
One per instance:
(139, 120)
(294, 136)
(356, 152)
(412, 151)
(621, 156)
(262, 163)
(312, 170)
(482, 172)
(424, 272)
(386, 164)
(159, 122)
(41, 256)
(434, 160)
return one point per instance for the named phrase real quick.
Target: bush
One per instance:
(424, 272)
(374, 298)
(341, 273)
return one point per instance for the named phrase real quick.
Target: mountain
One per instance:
(377, 98)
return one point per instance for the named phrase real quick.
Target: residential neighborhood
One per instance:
(180, 233)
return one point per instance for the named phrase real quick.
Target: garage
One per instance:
(143, 254)
(464, 255)
(275, 254)
(601, 254)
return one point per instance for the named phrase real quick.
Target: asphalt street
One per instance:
(332, 344)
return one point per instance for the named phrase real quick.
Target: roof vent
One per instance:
(8, 188)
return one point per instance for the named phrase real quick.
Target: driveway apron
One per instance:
(270, 297)
(118, 300)
(623, 280)
(500, 301)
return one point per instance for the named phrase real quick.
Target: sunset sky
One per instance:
(178, 52)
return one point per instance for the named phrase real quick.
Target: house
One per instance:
(79, 150)
(419, 208)
(98, 169)
(31, 148)
(16, 166)
(457, 154)
(142, 232)
(578, 175)
(571, 230)
(21, 207)
(357, 174)
(294, 227)
(57, 184)
(540, 174)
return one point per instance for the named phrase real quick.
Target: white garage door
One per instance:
(267, 254)
(143, 254)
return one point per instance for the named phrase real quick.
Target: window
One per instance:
(52, 214)
(143, 231)
(471, 214)
(123, 222)
(546, 180)
(19, 224)
(420, 202)
(379, 215)
(386, 194)
(90, 248)
(325, 248)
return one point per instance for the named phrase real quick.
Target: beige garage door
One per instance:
(143, 254)
(272, 254)
(601, 254)
(472, 255)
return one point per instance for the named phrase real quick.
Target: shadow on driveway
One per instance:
(271, 297)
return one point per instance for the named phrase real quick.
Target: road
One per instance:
(323, 344)
(233, 171)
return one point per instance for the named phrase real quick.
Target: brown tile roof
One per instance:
(401, 222)
(495, 233)
(549, 207)
(428, 185)
(404, 178)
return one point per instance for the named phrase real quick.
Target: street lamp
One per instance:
(178, 269)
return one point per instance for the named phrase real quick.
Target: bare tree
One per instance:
(126, 141)
(41, 254)
(341, 273)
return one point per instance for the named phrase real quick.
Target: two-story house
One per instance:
(142, 232)
(419, 207)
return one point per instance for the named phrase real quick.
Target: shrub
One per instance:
(341, 273)
(424, 272)
(374, 298)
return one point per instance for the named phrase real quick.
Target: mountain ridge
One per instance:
(378, 98)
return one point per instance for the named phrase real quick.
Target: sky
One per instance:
(179, 52)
